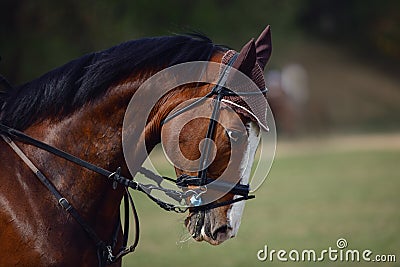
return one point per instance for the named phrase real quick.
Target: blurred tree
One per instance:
(37, 36)
(369, 26)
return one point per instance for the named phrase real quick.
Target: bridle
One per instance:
(201, 181)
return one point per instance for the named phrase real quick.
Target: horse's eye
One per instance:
(234, 135)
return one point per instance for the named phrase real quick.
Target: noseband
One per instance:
(201, 181)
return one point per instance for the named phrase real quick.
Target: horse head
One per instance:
(234, 143)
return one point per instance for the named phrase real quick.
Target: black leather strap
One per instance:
(27, 139)
(104, 252)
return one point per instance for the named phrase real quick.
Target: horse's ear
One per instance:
(247, 58)
(264, 47)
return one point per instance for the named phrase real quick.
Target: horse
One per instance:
(67, 127)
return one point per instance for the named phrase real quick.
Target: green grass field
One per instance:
(309, 201)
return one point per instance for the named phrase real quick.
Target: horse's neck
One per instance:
(92, 133)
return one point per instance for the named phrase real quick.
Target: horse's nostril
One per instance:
(220, 232)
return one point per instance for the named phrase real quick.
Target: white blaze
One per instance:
(236, 211)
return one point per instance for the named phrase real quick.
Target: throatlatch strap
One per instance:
(60, 199)
(104, 252)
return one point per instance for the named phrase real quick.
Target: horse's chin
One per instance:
(211, 240)
(214, 230)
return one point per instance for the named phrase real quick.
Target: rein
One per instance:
(104, 250)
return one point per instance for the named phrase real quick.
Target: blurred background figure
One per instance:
(288, 98)
(295, 85)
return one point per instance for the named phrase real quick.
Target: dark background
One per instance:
(349, 50)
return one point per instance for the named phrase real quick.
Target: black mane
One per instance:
(65, 89)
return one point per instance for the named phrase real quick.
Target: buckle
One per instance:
(64, 203)
(109, 254)
(115, 176)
